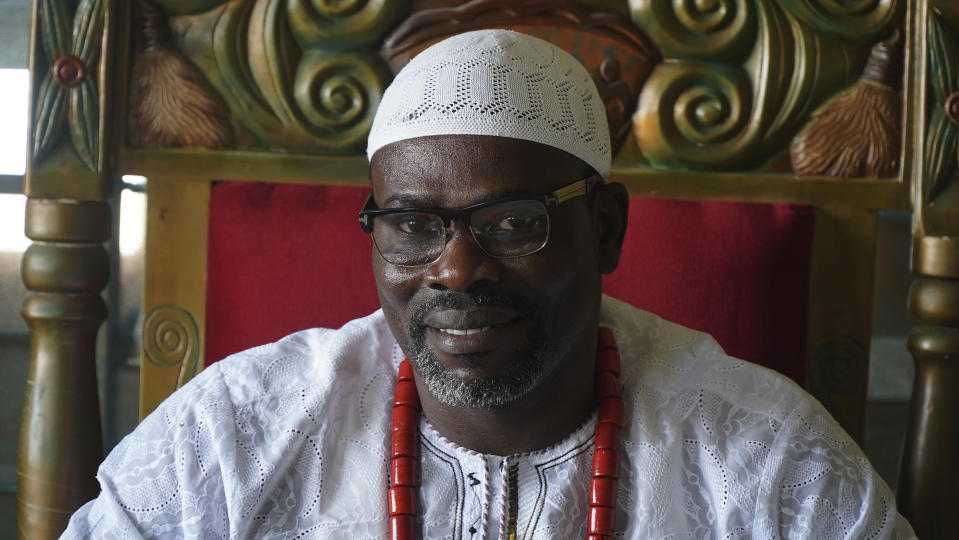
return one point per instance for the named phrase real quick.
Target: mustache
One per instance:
(420, 308)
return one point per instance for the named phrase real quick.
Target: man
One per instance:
(492, 228)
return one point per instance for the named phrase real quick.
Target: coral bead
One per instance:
(406, 395)
(403, 471)
(404, 444)
(605, 463)
(405, 372)
(607, 385)
(405, 418)
(401, 527)
(602, 520)
(603, 492)
(402, 501)
(611, 410)
(607, 435)
(608, 360)
(605, 339)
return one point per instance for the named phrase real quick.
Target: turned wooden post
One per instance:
(928, 477)
(60, 441)
(66, 268)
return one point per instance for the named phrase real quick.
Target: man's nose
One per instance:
(463, 266)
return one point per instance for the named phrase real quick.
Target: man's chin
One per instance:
(465, 383)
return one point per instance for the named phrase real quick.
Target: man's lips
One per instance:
(470, 321)
(472, 331)
(464, 332)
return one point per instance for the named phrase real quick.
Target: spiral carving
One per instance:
(834, 364)
(859, 20)
(696, 111)
(703, 29)
(832, 373)
(170, 339)
(338, 93)
(340, 8)
(342, 24)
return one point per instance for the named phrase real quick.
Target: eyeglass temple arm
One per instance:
(576, 188)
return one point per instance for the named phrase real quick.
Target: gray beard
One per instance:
(487, 393)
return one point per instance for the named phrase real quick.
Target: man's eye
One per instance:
(517, 224)
(412, 224)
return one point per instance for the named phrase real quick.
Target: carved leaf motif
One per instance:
(87, 31)
(943, 59)
(55, 27)
(50, 115)
(941, 144)
(942, 138)
(85, 122)
(82, 40)
(275, 64)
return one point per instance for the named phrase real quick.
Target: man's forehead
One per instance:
(483, 166)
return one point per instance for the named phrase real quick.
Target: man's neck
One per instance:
(545, 416)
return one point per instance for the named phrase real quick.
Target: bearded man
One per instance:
(530, 405)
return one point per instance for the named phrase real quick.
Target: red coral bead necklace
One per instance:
(404, 447)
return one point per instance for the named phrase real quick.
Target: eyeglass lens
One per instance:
(507, 229)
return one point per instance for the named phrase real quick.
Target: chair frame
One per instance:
(80, 146)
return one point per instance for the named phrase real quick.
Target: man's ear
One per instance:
(610, 213)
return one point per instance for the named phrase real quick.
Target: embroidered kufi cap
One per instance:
(496, 82)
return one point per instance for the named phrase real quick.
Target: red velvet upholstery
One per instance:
(737, 270)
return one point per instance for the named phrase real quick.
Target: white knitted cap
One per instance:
(496, 82)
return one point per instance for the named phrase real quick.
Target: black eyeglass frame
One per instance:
(581, 187)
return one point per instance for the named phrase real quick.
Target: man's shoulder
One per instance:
(310, 361)
(672, 362)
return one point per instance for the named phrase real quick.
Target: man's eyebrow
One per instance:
(408, 200)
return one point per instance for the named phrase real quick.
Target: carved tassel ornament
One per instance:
(171, 103)
(858, 133)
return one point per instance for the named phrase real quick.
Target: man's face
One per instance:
(484, 331)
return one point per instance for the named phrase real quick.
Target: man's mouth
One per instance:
(464, 332)
(464, 322)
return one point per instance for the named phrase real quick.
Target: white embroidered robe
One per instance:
(289, 440)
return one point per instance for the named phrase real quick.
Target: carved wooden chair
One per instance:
(758, 140)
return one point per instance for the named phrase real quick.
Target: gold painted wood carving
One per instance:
(741, 77)
(71, 42)
(927, 482)
(941, 157)
(171, 339)
(294, 74)
(171, 103)
(859, 133)
(617, 54)
(65, 269)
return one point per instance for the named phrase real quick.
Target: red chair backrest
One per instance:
(283, 257)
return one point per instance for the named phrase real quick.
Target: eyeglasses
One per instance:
(504, 228)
